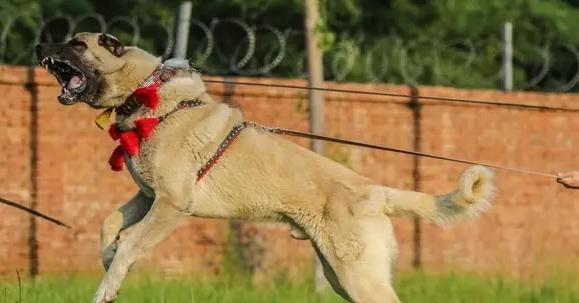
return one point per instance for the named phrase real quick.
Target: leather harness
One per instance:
(134, 103)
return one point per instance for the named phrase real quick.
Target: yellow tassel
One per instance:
(103, 120)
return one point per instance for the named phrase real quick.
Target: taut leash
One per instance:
(33, 212)
(399, 95)
(295, 133)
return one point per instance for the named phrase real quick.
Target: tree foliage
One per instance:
(439, 42)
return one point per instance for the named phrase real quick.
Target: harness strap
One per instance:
(183, 105)
(233, 133)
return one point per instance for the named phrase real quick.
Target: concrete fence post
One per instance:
(507, 68)
(316, 101)
(184, 22)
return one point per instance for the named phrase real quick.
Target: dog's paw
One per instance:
(103, 295)
(108, 289)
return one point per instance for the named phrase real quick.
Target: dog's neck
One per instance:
(133, 75)
(143, 110)
(133, 103)
(156, 96)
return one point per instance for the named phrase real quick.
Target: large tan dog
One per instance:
(259, 176)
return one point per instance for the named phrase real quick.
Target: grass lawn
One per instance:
(412, 287)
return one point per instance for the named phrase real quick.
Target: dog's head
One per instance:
(96, 68)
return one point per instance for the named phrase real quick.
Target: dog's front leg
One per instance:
(122, 218)
(161, 219)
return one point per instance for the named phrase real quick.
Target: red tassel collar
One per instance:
(130, 140)
(146, 95)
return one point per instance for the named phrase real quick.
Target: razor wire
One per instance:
(234, 47)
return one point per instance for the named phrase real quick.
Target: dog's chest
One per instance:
(137, 175)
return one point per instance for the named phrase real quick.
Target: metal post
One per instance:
(183, 30)
(507, 56)
(315, 78)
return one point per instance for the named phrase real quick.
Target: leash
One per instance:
(385, 94)
(33, 212)
(295, 133)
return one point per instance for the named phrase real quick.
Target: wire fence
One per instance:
(235, 47)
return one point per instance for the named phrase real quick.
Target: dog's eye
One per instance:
(78, 45)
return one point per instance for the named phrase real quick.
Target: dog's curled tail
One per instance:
(475, 191)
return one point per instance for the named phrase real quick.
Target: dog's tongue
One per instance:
(74, 82)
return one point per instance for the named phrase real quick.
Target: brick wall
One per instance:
(14, 169)
(532, 228)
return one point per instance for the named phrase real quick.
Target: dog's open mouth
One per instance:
(72, 80)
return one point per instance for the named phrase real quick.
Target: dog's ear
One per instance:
(112, 44)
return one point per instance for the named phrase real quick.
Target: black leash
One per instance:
(32, 211)
(295, 133)
(433, 98)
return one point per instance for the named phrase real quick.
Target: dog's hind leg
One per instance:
(330, 274)
(122, 218)
(161, 219)
(362, 263)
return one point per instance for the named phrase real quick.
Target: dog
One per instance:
(193, 156)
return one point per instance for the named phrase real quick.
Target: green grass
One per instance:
(412, 287)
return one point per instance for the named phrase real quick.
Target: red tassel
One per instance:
(146, 126)
(130, 142)
(114, 131)
(117, 159)
(148, 96)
